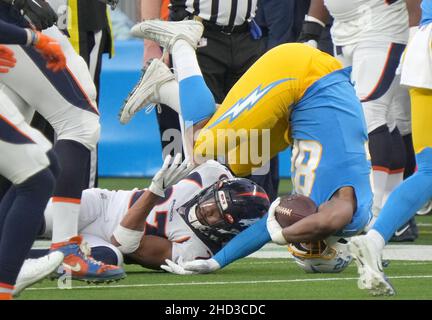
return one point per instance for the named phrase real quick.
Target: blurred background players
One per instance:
(28, 162)
(403, 202)
(370, 36)
(67, 101)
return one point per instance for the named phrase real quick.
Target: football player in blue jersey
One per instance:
(305, 99)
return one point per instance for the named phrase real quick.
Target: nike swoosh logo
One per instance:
(399, 232)
(74, 268)
(37, 4)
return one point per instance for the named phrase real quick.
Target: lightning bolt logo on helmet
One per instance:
(248, 103)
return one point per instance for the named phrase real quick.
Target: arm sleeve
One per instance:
(245, 243)
(11, 34)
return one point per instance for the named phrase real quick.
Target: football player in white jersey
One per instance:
(66, 99)
(191, 219)
(370, 36)
(29, 164)
(411, 194)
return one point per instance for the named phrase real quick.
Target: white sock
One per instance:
(185, 60)
(393, 181)
(169, 95)
(377, 239)
(379, 184)
(65, 220)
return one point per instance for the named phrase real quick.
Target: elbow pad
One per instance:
(128, 239)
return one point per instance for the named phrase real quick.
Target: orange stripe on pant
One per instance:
(67, 200)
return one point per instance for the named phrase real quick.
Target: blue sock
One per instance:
(71, 167)
(407, 198)
(5, 204)
(37, 253)
(105, 255)
(245, 243)
(196, 100)
(22, 222)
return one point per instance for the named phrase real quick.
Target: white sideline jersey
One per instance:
(102, 210)
(368, 20)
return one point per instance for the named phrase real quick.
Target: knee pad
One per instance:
(86, 132)
(92, 135)
(375, 114)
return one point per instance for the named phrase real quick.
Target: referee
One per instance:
(231, 43)
(89, 30)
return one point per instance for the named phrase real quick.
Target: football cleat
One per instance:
(35, 270)
(426, 209)
(166, 33)
(369, 266)
(408, 232)
(80, 264)
(146, 92)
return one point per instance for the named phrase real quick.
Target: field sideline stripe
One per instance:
(217, 283)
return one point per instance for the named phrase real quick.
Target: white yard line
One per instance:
(391, 252)
(410, 252)
(208, 283)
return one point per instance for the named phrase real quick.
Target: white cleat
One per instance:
(146, 92)
(35, 270)
(166, 33)
(369, 266)
(426, 209)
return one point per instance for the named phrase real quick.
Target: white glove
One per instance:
(170, 174)
(176, 268)
(202, 266)
(273, 227)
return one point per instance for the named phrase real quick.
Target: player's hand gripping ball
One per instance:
(293, 208)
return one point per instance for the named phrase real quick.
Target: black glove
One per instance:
(311, 32)
(39, 12)
(112, 3)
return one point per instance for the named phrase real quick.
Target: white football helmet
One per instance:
(329, 256)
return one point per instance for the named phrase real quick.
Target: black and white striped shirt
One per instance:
(221, 12)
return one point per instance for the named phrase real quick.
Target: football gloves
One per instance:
(112, 3)
(273, 227)
(50, 50)
(7, 59)
(191, 267)
(310, 33)
(38, 12)
(170, 174)
(176, 268)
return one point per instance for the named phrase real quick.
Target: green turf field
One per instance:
(246, 279)
(249, 278)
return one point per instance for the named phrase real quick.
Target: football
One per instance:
(293, 208)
